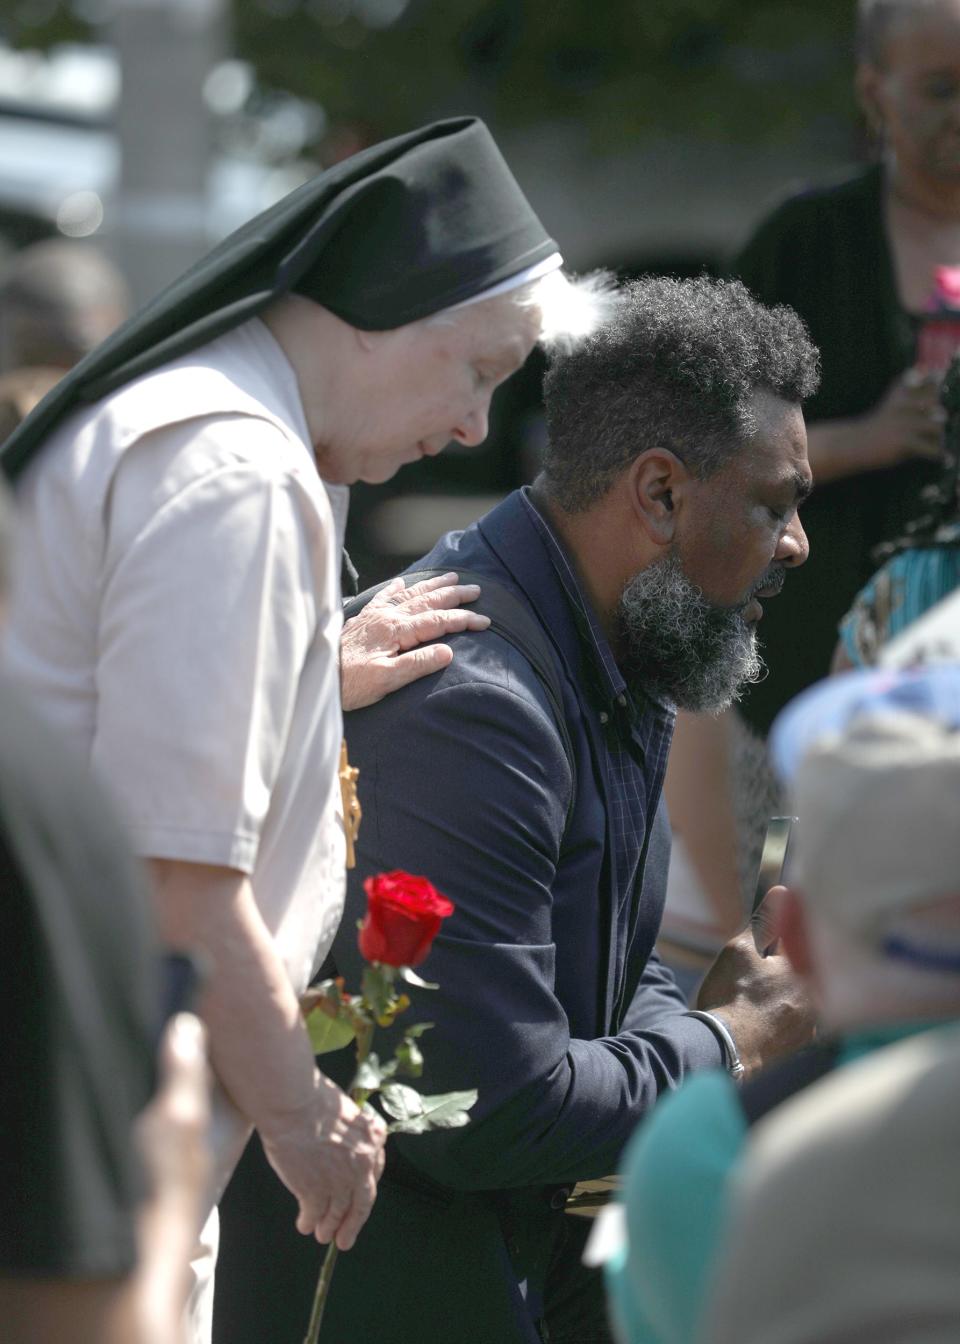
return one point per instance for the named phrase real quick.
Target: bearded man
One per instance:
(666, 511)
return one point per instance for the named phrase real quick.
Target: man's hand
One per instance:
(766, 919)
(330, 1156)
(760, 999)
(378, 648)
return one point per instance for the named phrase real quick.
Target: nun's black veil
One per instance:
(391, 235)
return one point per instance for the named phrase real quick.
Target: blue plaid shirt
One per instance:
(639, 730)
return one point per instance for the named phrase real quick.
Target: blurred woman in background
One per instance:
(858, 260)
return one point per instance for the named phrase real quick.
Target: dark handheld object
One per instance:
(773, 866)
(182, 976)
(773, 860)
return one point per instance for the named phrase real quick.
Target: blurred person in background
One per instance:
(104, 1181)
(58, 300)
(20, 391)
(720, 791)
(844, 1214)
(905, 586)
(177, 612)
(857, 259)
(880, 767)
(719, 784)
(922, 566)
(867, 1164)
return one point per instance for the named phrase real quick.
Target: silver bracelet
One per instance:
(722, 1032)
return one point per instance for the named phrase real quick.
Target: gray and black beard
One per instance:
(677, 646)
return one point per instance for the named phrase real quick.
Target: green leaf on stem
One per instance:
(414, 1114)
(327, 1033)
(412, 978)
(409, 1057)
(369, 1074)
(399, 1004)
(376, 986)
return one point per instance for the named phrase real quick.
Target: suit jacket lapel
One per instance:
(510, 535)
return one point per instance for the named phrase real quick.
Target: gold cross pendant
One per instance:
(349, 774)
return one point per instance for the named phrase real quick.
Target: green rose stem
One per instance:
(364, 1039)
(334, 1018)
(320, 1296)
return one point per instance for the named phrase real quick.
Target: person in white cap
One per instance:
(846, 1216)
(870, 919)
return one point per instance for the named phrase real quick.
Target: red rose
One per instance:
(403, 918)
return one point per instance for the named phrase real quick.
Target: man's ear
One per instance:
(657, 479)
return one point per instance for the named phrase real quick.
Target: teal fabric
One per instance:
(900, 591)
(677, 1169)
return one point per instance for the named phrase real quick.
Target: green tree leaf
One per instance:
(739, 71)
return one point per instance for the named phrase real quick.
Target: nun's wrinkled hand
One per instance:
(388, 644)
(330, 1156)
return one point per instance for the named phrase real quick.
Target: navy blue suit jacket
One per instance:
(463, 778)
(551, 1002)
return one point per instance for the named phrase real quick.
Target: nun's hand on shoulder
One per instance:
(392, 641)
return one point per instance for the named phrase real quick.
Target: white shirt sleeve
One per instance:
(207, 611)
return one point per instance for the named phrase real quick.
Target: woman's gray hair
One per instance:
(571, 307)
